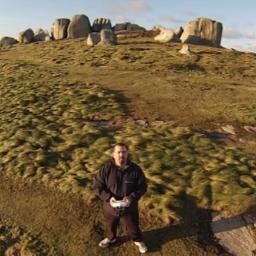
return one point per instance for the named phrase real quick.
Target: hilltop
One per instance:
(64, 105)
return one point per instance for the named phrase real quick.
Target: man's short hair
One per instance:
(121, 144)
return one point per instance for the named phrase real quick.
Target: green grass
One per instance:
(195, 90)
(54, 100)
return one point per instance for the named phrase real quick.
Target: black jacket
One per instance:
(112, 181)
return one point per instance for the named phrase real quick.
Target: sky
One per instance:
(238, 17)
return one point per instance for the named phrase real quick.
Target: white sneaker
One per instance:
(106, 242)
(142, 247)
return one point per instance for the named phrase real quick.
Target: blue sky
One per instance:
(237, 17)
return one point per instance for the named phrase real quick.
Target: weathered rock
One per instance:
(93, 39)
(128, 26)
(120, 26)
(7, 41)
(166, 35)
(60, 28)
(41, 35)
(179, 31)
(134, 27)
(79, 26)
(249, 128)
(235, 234)
(141, 122)
(185, 50)
(229, 129)
(100, 24)
(107, 36)
(26, 36)
(202, 31)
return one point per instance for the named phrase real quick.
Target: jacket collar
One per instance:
(128, 163)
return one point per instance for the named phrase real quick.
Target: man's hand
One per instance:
(127, 200)
(112, 200)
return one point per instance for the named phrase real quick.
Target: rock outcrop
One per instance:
(79, 27)
(60, 28)
(7, 41)
(107, 36)
(93, 39)
(134, 27)
(236, 234)
(202, 31)
(41, 35)
(128, 26)
(100, 24)
(166, 35)
(26, 36)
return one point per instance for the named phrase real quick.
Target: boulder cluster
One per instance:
(202, 31)
(101, 31)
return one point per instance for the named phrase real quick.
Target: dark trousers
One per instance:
(131, 221)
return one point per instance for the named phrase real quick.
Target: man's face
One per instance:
(120, 155)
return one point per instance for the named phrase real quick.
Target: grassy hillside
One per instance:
(64, 105)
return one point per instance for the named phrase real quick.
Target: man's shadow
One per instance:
(196, 222)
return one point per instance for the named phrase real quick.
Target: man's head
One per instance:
(120, 154)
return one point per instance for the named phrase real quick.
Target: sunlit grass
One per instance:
(56, 96)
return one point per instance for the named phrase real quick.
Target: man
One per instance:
(120, 184)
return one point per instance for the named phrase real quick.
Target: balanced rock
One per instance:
(26, 36)
(100, 24)
(60, 28)
(166, 35)
(107, 36)
(79, 26)
(202, 31)
(41, 35)
(7, 41)
(93, 39)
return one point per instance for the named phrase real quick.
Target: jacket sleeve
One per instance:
(141, 187)
(100, 187)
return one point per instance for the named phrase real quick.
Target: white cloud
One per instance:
(233, 33)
